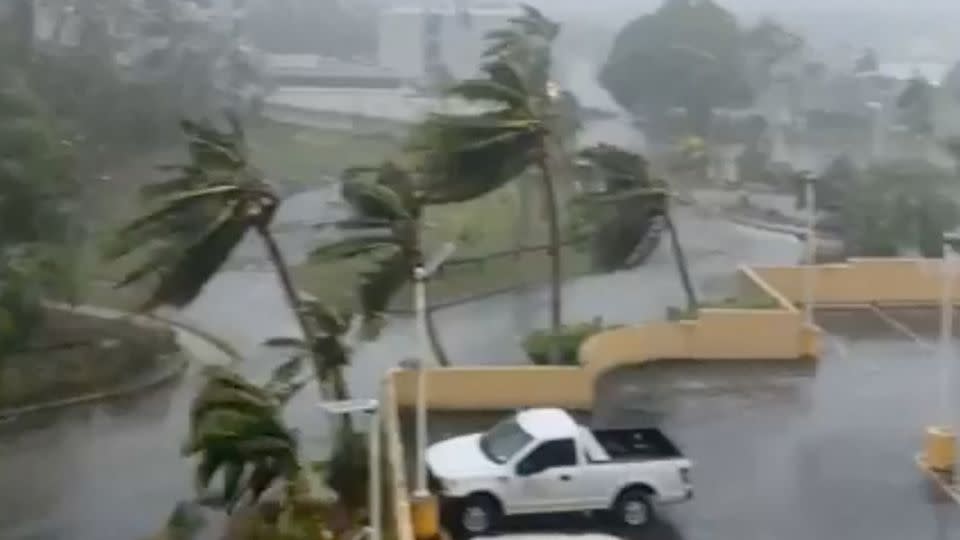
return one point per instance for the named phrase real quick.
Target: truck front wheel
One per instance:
(478, 515)
(633, 508)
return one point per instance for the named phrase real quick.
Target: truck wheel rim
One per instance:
(475, 519)
(635, 513)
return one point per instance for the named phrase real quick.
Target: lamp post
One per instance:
(809, 274)
(940, 453)
(375, 483)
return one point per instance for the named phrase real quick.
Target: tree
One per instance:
(35, 209)
(687, 54)
(897, 206)
(466, 156)
(916, 104)
(766, 45)
(390, 234)
(630, 188)
(195, 222)
(867, 63)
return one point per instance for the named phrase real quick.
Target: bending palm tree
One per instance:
(470, 155)
(197, 220)
(386, 225)
(627, 178)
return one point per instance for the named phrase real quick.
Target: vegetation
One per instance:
(540, 345)
(898, 206)
(35, 213)
(638, 203)
(196, 220)
(687, 54)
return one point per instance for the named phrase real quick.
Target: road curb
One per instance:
(158, 378)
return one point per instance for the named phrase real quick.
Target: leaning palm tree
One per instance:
(627, 179)
(469, 155)
(197, 219)
(386, 228)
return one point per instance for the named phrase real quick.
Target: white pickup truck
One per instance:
(541, 461)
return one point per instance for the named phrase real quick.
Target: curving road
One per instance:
(112, 471)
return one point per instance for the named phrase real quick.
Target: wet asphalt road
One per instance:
(113, 471)
(784, 452)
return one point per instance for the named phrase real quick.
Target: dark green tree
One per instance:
(688, 54)
(638, 202)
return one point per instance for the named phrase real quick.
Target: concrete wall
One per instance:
(863, 281)
(477, 389)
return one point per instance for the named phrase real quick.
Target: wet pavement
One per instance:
(113, 471)
(787, 453)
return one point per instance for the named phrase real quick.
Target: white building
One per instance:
(419, 35)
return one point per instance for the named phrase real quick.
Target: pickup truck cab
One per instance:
(541, 461)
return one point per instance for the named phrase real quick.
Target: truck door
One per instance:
(545, 479)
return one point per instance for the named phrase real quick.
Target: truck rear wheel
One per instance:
(633, 508)
(478, 515)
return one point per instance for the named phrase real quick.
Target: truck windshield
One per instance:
(503, 441)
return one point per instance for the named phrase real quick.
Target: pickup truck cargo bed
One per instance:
(636, 444)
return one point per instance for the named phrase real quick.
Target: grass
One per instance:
(489, 223)
(683, 314)
(308, 157)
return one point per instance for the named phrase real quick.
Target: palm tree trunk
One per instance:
(340, 390)
(681, 261)
(556, 263)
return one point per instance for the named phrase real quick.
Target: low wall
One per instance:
(77, 355)
(863, 281)
(473, 389)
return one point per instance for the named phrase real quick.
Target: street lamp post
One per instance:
(809, 275)
(375, 481)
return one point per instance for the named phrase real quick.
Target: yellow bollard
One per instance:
(939, 449)
(426, 517)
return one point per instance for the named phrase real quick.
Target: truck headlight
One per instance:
(685, 475)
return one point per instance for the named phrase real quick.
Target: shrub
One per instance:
(539, 344)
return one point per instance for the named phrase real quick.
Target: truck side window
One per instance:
(559, 453)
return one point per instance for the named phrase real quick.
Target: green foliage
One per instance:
(898, 206)
(35, 210)
(197, 217)
(349, 468)
(916, 104)
(622, 216)
(540, 344)
(236, 430)
(686, 54)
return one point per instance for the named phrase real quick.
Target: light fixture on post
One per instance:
(810, 269)
(375, 480)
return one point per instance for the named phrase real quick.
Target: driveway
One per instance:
(786, 453)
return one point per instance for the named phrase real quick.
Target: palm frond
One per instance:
(352, 247)
(381, 284)
(236, 429)
(177, 203)
(196, 265)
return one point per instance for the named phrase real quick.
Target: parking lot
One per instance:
(785, 451)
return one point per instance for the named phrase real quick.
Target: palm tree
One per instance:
(236, 428)
(386, 225)
(472, 154)
(196, 221)
(627, 179)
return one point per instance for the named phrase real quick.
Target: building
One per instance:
(422, 39)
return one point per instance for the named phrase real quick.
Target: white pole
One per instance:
(376, 482)
(811, 248)
(946, 325)
(420, 305)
